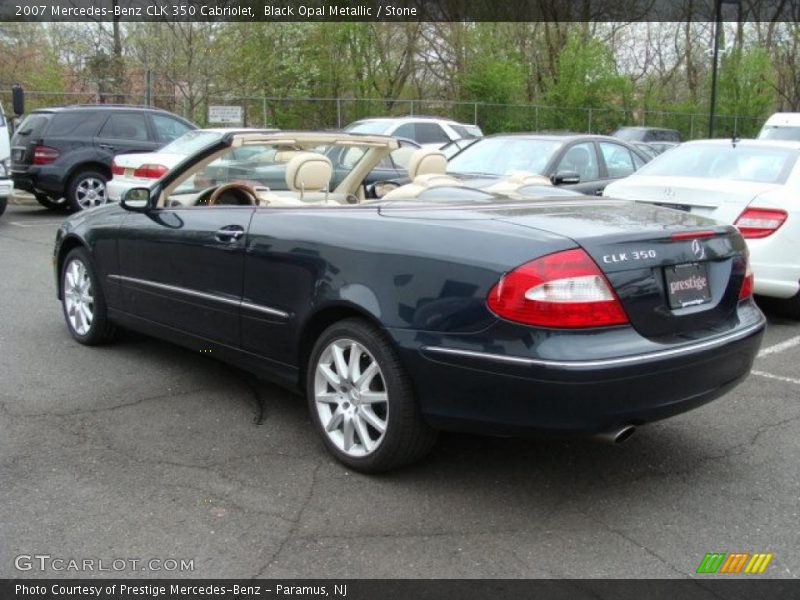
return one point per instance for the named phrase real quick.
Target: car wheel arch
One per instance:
(319, 321)
(89, 166)
(67, 245)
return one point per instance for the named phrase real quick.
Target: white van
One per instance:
(6, 187)
(781, 126)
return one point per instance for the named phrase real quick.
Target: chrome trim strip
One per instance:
(608, 362)
(205, 296)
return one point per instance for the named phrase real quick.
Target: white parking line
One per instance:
(777, 377)
(790, 343)
(39, 224)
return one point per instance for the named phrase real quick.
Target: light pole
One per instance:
(714, 67)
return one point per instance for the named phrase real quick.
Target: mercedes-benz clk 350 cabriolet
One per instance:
(434, 307)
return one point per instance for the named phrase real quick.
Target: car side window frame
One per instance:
(605, 164)
(601, 174)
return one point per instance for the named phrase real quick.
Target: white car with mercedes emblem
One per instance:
(753, 184)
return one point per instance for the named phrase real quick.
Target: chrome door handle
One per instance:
(231, 233)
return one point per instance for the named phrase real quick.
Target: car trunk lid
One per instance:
(675, 273)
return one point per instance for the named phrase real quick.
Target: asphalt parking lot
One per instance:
(144, 450)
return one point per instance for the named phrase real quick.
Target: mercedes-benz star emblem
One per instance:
(698, 250)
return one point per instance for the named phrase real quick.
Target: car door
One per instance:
(183, 266)
(581, 158)
(125, 132)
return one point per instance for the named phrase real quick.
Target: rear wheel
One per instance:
(51, 203)
(361, 400)
(87, 189)
(3, 204)
(791, 306)
(83, 301)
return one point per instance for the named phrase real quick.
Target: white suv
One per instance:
(429, 132)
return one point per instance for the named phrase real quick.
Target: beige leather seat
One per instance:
(516, 180)
(309, 172)
(427, 169)
(426, 161)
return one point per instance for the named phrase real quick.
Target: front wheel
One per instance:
(83, 301)
(86, 190)
(361, 400)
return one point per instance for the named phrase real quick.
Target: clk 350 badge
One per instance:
(626, 256)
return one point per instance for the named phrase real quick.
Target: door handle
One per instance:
(107, 147)
(229, 233)
(599, 192)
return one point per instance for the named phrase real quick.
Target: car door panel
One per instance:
(183, 268)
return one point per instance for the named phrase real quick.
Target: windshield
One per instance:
(375, 127)
(191, 142)
(501, 156)
(780, 133)
(629, 134)
(724, 161)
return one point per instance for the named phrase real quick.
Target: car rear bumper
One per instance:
(491, 392)
(40, 179)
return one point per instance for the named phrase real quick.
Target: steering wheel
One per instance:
(245, 193)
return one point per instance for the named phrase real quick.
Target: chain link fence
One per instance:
(326, 113)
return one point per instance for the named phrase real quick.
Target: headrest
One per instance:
(282, 156)
(308, 172)
(426, 161)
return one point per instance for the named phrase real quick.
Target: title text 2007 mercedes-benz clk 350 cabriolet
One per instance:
(434, 307)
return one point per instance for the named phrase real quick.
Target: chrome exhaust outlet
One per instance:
(616, 436)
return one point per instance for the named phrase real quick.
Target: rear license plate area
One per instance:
(17, 154)
(128, 172)
(687, 285)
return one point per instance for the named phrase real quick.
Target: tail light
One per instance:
(565, 289)
(116, 169)
(149, 171)
(760, 222)
(44, 155)
(746, 291)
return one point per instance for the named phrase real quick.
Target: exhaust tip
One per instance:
(617, 436)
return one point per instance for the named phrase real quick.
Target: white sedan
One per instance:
(753, 184)
(141, 169)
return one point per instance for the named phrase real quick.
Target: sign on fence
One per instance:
(225, 114)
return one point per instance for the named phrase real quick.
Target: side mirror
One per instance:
(136, 199)
(565, 178)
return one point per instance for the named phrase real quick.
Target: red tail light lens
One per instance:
(760, 222)
(746, 290)
(44, 155)
(149, 171)
(116, 169)
(565, 289)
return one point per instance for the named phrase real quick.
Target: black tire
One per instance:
(75, 200)
(49, 203)
(100, 330)
(790, 307)
(3, 204)
(406, 438)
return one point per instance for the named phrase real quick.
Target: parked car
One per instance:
(430, 132)
(584, 163)
(781, 126)
(63, 155)
(753, 184)
(646, 148)
(397, 318)
(141, 168)
(6, 185)
(661, 147)
(648, 134)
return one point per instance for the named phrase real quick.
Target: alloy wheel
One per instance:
(78, 297)
(90, 192)
(351, 397)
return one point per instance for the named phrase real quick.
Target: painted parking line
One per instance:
(790, 343)
(38, 224)
(776, 377)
